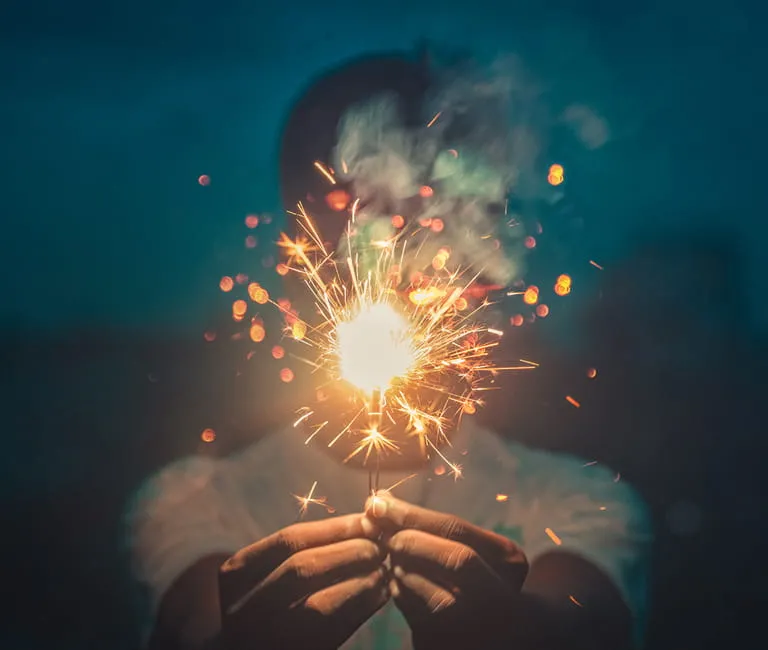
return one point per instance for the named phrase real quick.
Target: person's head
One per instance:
(389, 135)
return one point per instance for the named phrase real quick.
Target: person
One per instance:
(531, 549)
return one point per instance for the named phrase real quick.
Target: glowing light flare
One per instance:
(251, 221)
(531, 295)
(338, 200)
(299, 330)
(239, 307)
(226, 284)
(325, 172)
(556, 175)
(204, 180)
(257, 333)
(416, 363)
(374, 347)
(309, 499)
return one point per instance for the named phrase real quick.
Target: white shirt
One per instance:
(200, 506)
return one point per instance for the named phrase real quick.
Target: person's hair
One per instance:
(311, 130)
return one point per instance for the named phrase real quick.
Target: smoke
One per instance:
(477, 143)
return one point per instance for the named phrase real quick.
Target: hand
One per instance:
(310, 585)
(455, 583)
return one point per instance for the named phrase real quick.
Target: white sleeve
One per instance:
(187, 511)
(589, 510)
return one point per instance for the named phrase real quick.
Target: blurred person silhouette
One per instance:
(559, 561)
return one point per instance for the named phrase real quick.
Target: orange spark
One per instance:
(319, 166)
(310, 499)
(572, 401)
(595, 264)
(337, 200)
(434, 119)
(531, 295)
(551, 534)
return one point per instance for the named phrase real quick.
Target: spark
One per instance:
(399, 483)
(596, 265)
(533, 363)
(310, 499)
(394, 364)
(434, 119)
(325, 172)
(575, 602)
(553, 536)
(572, 401)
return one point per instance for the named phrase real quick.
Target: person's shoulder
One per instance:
(558, 489)
(544, 471)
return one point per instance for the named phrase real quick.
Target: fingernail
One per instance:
(378, 507)
(398, 571)
(394, 589)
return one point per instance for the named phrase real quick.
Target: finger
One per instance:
(345, 606)
(315, 569)
(446, 562)
(501, 553)
(253, 563)
(418, 597)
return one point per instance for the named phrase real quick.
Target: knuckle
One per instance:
(440, 601)
(459, 558)
(452, 528)
(303, 568)
(289, 540)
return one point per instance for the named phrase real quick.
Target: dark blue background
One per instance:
(110, 255)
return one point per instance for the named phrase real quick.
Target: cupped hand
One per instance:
(455, 582)
(307, 586)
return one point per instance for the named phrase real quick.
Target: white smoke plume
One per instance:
(482, 147)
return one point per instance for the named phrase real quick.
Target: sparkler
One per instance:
(398, 363)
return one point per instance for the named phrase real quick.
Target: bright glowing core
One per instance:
(374, 347)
